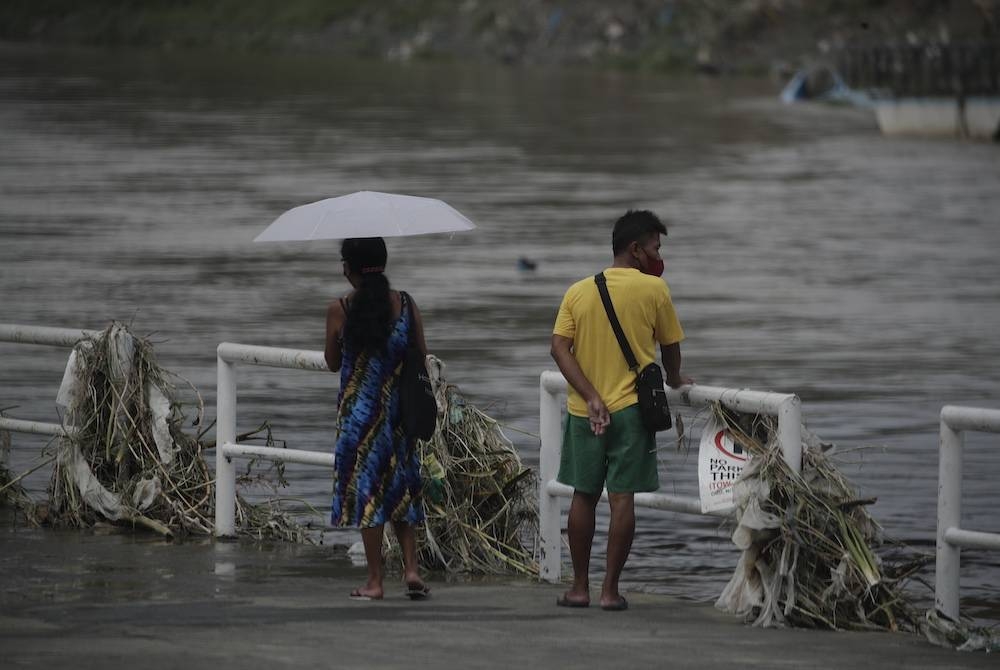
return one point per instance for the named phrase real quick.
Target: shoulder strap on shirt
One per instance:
(602, 287)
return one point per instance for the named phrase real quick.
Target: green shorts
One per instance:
(623, 459)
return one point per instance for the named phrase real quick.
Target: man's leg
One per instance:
(621, 530)
(580, 528)
(631, 467)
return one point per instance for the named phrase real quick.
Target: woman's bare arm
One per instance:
(334, 325)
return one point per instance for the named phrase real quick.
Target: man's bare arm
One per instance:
(597, 411)
(671, 356)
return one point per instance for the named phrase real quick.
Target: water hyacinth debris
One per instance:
(130, 462)
(479, 500)
(127, 459)
(808, 544)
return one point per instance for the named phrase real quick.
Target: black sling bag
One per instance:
(417, 404)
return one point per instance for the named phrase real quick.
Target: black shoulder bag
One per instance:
(417, 405)
(653, 406)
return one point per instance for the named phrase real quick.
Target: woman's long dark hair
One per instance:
(369, 315)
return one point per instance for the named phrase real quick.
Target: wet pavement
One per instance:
(108, 600)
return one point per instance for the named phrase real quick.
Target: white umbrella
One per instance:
(365, 214)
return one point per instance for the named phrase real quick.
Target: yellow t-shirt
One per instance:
(647, 316)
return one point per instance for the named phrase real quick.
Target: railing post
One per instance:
(946, 581)
(225, 433)
(790, 432)
(549, 513)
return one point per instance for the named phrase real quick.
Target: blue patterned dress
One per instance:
(376, 467)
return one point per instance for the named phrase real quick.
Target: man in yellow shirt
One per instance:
(605, 443)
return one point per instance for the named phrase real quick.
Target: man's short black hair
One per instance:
(635, 226)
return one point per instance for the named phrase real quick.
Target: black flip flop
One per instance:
(563, 601)
(418, 592)
(619, 606)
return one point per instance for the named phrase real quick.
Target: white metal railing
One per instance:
(45, 336)
(227, 448)
(951, 537)
(786, 407)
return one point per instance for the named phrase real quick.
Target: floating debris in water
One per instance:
(942, 630)
(526, 264)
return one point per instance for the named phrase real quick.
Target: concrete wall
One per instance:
(938, 117)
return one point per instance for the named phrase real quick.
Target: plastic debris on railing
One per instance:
(73, 392)
(127, 457)
(808, 557)
(942, 630)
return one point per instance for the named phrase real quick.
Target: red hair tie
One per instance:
(372, 269)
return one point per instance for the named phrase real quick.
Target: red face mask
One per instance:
(655, 268)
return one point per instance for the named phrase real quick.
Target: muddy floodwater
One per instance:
(807, 254)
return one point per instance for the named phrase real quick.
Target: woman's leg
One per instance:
(372, 539)
(408, 544)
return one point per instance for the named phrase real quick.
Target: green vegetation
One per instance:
(709, 35)
(221, 23)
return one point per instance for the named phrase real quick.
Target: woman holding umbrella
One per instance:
(377, 471)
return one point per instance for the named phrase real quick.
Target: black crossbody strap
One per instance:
(407, 304)
(602, 287)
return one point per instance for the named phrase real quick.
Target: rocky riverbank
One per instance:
(715, 36)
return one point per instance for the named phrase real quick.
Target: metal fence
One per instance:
(926, 70)
(44, 336)
(786, 407)
(951, 537)
(227, 448)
